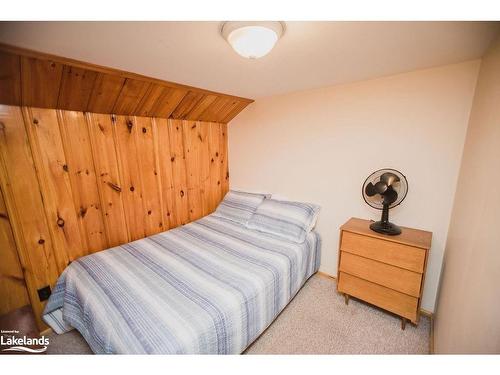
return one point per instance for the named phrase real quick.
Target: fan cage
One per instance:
(375, 177)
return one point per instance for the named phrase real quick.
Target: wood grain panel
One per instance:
(150, 99)
(201, 107)
(78, 151)
(168, 101)
(192, 151)
(386, 298)
(396, 278)
(410, 258)
(10, 79)
(125, 129)
(234, 112)
(40, 81)
(76, 87)
(106, 90)
(13, 292)
(187, 104)
(52, 170)
(215, 108)
(214, 145)
(224, 160)
(179, 174)
(170, 218)
(109, 181)
(147, 151)
(24, 205)
(130, 96)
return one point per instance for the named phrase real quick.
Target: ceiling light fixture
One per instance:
(252, 39)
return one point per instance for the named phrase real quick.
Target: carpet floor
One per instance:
(317, 321)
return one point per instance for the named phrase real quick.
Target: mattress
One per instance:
(208, 287)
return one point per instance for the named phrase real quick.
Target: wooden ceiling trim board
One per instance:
(29, 78)
(169, 100)
(210, 113)
(76, 86)
(40, 82)
(103, 69)
(187, 104)
(132, 93)
(202, 105)
(10, 79)
(106, 90)
(240, 107)
(225, 110)
(148, 102)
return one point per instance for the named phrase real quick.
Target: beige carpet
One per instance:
(317, 321)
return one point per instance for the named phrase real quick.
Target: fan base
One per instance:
(385, 228)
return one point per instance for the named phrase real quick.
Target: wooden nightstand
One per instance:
(386, 271)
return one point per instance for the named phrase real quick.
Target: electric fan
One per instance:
(385, 189)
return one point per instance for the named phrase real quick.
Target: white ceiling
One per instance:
(310, 54)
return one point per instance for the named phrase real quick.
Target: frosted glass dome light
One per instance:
(252, 39)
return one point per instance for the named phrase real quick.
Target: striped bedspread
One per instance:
(211, 286)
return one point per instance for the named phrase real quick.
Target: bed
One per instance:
(208, 287)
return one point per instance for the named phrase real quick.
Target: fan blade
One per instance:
(370, 190)
(389, 178)
(381, 187)
(390, 196)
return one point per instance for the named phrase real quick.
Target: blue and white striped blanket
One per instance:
(212, 286)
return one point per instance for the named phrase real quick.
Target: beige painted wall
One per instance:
(468, 312)
(320, 145)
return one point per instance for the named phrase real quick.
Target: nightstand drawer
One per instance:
(397, 254)
(396, 278)
(391, 300)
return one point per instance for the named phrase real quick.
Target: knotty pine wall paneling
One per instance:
(126, 146)
(102, 140)
(80, 161)
(75, 183)
(25, 209)
(12, 285)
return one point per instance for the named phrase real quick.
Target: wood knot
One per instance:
(144, 130)
(41, 241)
(100, 127)
(172, 159)
(193, 127)
(60, 222)
(83, 211)
(65, 168)
(182, 193)
(129, 126)
(149, 212)
(114, 186)
(53, 65)
(212, 160)
(35, 121)
(132, 188)
(217, 154)
(218, 182)
(168, 214)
